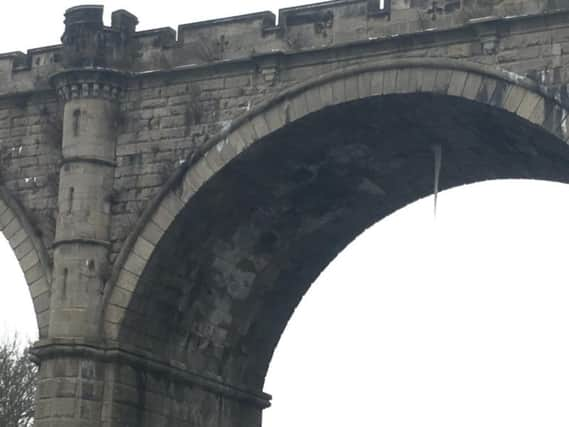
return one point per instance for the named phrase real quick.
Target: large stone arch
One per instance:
(198, 328)
(30, 253)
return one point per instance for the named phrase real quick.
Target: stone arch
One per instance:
(30, 253)
(208, 280)
(227, 336)
(496, 88)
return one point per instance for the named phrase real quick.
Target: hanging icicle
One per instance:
(438, 154)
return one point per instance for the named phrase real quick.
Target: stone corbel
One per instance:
(269, 69)
(487, 30)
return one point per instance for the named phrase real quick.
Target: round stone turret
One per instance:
(88, 43)
(83, 40)
(84, 15)
(95, 60)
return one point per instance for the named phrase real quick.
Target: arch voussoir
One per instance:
(190, 185)
(128, 280)
(390, 81)
(514, 98)
(528, 105)
(457, 83)
(247, 133)
(193, 181)
(151, 232)
(555, 120)
(276, 117)
(226, 150)
(237, 141)
(364, 85)
(326, 94)
(402, 82)
(376, 84)
(472, 86)
(537, 117)
(351, 91)
(428, 79)
(143, 248)
(135, 263)
(299, 105)
(31, 256)
(172, 202)
(260, 127)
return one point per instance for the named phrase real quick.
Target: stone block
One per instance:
(65, 407)
(152, 233)
(351, 85)
(364, 84)
(236, 140)
(143, 248)
(12, 228)
(390, 81)
(190, 186)
(24, 248)
(487, 89)
(275, 117)
(376, 84)
(313, 100)
(35, 274)
(338, 91)
(111, 329)
(402, 85)
(29, 261)
(41, 302)
(120, 297)
(228, 152)
(172, 204)
(247, 133)
(298, 107)
(260, 126)
(528, 104)
(114, 314)
(3, 208)
(515, 96)
(203, 170)
(135, 264)
(237, 81)
(457, 83)
(6, 218)
(19, 238)
(472, 86)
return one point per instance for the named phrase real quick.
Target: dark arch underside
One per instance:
(227, 276)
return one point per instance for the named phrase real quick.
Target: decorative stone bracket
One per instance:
(487, 32)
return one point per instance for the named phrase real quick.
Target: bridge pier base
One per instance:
(92, 385)
(70, 392)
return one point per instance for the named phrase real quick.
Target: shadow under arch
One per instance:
(221, 259)
(30, 253)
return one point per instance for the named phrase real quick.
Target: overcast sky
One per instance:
(461, 321)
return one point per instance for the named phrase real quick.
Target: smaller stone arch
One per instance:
(31, 255)
(493, 87)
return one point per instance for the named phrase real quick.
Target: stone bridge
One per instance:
(171, 195)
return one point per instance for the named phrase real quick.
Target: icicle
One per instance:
(438, 153)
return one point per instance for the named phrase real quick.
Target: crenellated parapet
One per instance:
(87, 42)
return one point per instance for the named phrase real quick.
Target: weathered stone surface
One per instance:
(170, 201)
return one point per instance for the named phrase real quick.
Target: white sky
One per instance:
(458, 321)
